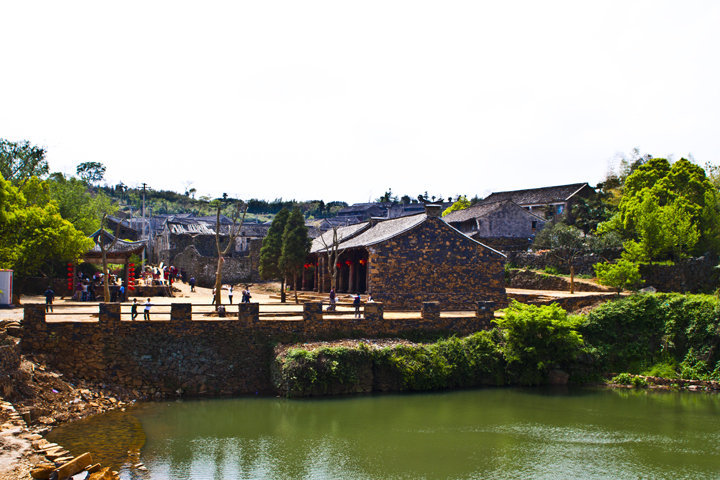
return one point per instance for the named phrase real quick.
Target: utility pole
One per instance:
(144, 187)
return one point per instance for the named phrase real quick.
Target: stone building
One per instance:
(546, 202)
(188, 243)
(502, 225)
(408, 260)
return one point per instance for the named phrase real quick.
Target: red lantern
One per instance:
(348, 262)
(362, 261)
(339, 265)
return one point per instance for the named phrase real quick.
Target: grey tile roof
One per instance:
(385, 230)
(343, 233)
(537, 196)
(121, 246)
(482, 209)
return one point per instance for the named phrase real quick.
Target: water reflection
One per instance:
(493, 433)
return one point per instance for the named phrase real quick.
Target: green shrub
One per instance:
(550, 270)
(640, 332)
(537, 339)
(622, 379)
(621, 275)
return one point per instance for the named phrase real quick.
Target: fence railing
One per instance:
(252, 312)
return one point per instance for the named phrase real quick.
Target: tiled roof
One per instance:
(343, 233)
(537, 196)
(121, 246)
(482, 209)
(385, 230)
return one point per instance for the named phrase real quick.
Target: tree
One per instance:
(621, 274)
(565, 242)
(19, 161)
(668, 210)
(272, 249)
(76, 204)
(295, 246)
(33, 236)
(333, 252)
(105, 243)
(238, 214)
(460, 204)
(91, 172)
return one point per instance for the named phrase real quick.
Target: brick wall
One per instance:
(433, 262)
(208, 357)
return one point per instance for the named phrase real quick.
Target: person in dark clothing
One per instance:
(133, 310)
(192, 284)
(49, 296)
(356, 304)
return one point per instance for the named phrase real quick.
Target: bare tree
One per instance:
(238, 214)
(333, 252)
(100, 241)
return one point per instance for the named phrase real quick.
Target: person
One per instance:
(356, 304)
(332, 300)
(133, 310)
(84, 297)
(146, 312)
(246, 295)
(230, 293)
(192, 284)
(213, 296)
(49, 296)
(121, 293)
(221, 311)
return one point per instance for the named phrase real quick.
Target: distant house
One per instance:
(407, 260)
(362, 212)
(503, 225)
(188, 243)
(545, 201)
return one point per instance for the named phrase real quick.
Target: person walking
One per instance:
(192, 284)
(356, 304)
(49, 297)
(133, 310)
(230, 293)
(246, 295)
(332, 300)
(146, 312)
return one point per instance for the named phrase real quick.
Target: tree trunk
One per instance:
(282, 290)
(572, 278)
(295, 287)
(218, 282)
(106, 285)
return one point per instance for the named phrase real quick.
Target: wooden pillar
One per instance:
(351, 278)
(303, 279)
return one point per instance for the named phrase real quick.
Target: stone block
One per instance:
(374, 311)
(75, 466)
(109, 315)
(181, 312)
(312, 311)
(431, 311)
(249, 312)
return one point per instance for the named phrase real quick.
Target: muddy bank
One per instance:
(34, 399)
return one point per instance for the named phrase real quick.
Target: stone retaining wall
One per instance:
(208, 357)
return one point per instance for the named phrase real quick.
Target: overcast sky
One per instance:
(342, 100)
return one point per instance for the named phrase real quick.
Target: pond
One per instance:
(490, 433)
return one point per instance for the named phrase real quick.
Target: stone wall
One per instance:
(236, 269)
(539, 260)
(506, 244)
(694, 275)
(531, 280)
(432, 262)
(208, 357)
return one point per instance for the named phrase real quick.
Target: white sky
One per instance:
(339, 100)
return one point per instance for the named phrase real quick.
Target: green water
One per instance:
(491, 433)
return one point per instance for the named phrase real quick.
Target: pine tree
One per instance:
(271, 250)
(295, 246)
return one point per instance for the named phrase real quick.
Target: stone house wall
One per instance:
(208, 357)
(509, 221)
(432, 262)
(236, 269)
